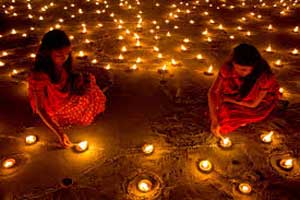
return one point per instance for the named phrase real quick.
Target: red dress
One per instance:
(65, 108)
(232, 116)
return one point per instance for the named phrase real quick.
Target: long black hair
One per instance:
(248, 55)
(53, 40)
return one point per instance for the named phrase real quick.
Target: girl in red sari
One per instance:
(57, 94)
(244, 92)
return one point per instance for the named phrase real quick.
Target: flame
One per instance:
(148, 148)
(288, 162)
(30, 139)
(145, 185)
(83, 145)
(268, 137)
(8, 163)
(210, 69)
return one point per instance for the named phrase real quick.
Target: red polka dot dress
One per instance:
(63, 107)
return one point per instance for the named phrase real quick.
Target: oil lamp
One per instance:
(270, 27)
(8, 163)
(148, 148)
(145, 185)
(82, 146)
(138, 60)
(120, 37)
(13, 31)
(30, 139)
(168, 34)
(295, 52)
(121, 57)
(281, 90)
(107, 67)
(209, 71)
(134, 67)
(2, 64)
(296, 29)
(269, 49)
(245, 188)
(286, 164)
(174, 62)
(267, 138)
(278, 63)
(199, 57)
(94, 61)
(183, 48)
(205, 165)
(124, 49)
(225, 142)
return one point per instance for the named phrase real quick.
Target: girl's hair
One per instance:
(53, 40)
(248, 55)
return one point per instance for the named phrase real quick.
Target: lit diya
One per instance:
(148, 148)
(225, 142)
(209, 71)
(245, 188)
(82, 146)
(30, 139)
(205, 165)
(267, 137)
(163, 70)
(145, 185)
(8, 163)
(286, 164)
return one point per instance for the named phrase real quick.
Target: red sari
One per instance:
(65, 108)
(232, 116)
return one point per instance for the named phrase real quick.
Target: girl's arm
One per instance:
(53, 126)
(249, 104)
(214, 98)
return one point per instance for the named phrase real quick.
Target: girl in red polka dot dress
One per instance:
(58, 95)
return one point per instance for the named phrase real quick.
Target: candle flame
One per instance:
(268, 137)
(8, 163)
(83, 145)
(145, 185)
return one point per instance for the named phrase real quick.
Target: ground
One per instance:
(149, 105)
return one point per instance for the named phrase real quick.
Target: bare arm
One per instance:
(214, 98)
(54, 127)
(249, 104)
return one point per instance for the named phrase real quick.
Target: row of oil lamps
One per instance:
(145, 185)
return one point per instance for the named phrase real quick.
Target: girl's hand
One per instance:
(215, 129)
(65, 141)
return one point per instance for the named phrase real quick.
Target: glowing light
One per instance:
(134, 67)
(107, 67)
(295, 52)
(138, 60)
(82, 146)
(267, 138)
(199, 57)
(145, 185)
(30, 139)
(245, 188)
(81, 54)
(278, 63)
(269, 49)
(205, 166)
(183, 48)
(121, 57)
(286, 163)
(296, 29)
(13, 31)
(124, 49)
(225, 143)
(9, 163)
(2, 64)
(94, 61)
(148, 148)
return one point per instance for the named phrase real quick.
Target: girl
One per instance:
(244, 92)
(59, 96)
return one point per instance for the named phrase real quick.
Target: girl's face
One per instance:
(242, 70)
(60, 56)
